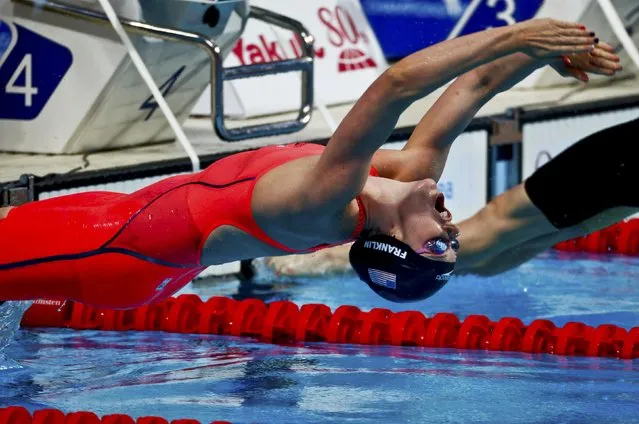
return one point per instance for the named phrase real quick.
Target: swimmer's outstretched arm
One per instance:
(510, 230)
(426, 151)
(342, 170)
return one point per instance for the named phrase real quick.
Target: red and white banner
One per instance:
(348, 58)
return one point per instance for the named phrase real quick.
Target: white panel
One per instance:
(465, 177)
(544, 140)
(105, 102)
(94, 60)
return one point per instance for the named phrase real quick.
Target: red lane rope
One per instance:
(285, 322)
(19, 415)
(621, 238)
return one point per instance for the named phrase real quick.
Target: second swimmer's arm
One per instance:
(509, 230)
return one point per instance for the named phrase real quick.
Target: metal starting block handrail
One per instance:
(219, 74)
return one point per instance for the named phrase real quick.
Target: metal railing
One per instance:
(219, 74)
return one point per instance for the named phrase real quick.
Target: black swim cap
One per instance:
(394, 271)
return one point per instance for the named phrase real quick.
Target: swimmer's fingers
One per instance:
(603, 66)
(565, 69)
(560, 46)
(562, 24)
(568, 49)
(605, 47)
(571, 42)
(604, 60)
(600, 61)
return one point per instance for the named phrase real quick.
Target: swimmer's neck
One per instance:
(381, 204)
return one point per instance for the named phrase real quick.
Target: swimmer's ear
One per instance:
(370, 232)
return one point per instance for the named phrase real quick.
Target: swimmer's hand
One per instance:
(548, 38)
(601, 61)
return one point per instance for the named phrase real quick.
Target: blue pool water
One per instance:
(208, 377)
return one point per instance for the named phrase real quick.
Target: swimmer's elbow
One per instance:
(478, 83)
(398, 86)
(401, 84)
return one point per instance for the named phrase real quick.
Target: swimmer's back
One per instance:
(118, 250)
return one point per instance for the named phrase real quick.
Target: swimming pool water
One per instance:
(210, 377)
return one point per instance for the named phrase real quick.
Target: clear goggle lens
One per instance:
(439, 246)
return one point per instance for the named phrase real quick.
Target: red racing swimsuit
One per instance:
(120, 251)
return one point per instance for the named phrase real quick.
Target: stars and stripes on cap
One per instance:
(382, 278)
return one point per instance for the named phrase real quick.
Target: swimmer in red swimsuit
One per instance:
(117, 250)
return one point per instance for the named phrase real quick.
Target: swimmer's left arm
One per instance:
(424, 156)
(425, 153)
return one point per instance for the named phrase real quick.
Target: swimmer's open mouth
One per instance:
(441, 208)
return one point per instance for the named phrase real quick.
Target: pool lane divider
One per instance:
(285, 322)
(621, 238)
(19, 415)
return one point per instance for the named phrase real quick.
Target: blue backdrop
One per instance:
(405, 26)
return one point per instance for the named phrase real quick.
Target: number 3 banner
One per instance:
(31, 67)
(482, 14)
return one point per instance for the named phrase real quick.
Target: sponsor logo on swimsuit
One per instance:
(384, 247)
(47, 302)
(444, 277)
(163, 284)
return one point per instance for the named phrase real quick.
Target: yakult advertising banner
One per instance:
(347, 58)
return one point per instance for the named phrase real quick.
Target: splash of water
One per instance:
(10, 316)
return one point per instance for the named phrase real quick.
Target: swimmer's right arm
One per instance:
(342, 170)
